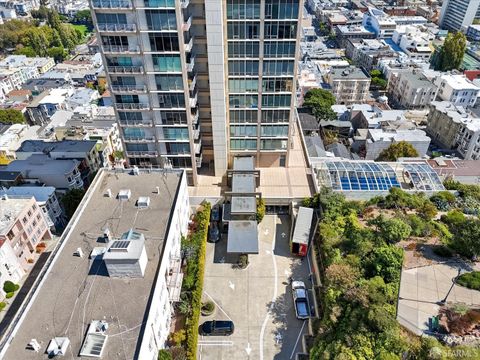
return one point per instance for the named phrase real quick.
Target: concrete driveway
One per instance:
(422, 288)
(258, 299)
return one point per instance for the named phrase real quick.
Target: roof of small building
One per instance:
(40, 146)
(10, 208)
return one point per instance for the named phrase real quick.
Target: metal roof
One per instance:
(303, 225)
(242, 237)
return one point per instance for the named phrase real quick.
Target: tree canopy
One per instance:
(320, 101)
(398, 150)
(452, 52)
(71, 200)
(11, 116)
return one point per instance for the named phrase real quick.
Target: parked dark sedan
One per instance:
(214, 233)
(217, 328)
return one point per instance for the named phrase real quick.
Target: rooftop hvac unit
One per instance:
(143, 202)
(157, 190)
(124, 194)
(108, 193)
(106, 234)
(136, 170)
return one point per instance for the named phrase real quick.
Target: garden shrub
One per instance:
(164, 355)
(178, 337)
(2, 305)
(195, 267)
(260, 210)
(9, 295)
(470, 280)
(243, 261)
(208, 308)
(9, 286)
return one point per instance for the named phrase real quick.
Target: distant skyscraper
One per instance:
(196, 83)
(459, 14)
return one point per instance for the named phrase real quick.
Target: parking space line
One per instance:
(229, 318)
(298, 338)
(275, 286)
(215, 343)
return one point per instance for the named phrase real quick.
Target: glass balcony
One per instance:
(195, 117)
(187, 24)
(116, 27)
(184, 3)
(121, 49)
(192, 83)
(142, 153)
(155, 4)
(131, 89)
(198, 160)
(193, 101)
(132, 106)
(191, 64)
(111, 4)
(189, 45)
(125, 69)
(142, 123)
(145, 139)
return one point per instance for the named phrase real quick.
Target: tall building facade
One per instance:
(459, 14)
(198, 82)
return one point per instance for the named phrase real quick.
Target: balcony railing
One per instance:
(192, 83)
(189, 45)
(111, 4)
(125, 69)
(187, 24)
(198, 160)
(174, 279)
(117, 27)
(194, 117)
(145, 139)
(142, 153)
(196, 134)
(155, 4)
(193, 101)
(143, 123)
(132, 106)
(191, 64)
(129, 88)
(184, 3)
(120, 49)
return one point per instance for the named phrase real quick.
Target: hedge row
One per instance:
(196, 266)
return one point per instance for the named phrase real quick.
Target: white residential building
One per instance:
(410, 89)
(379, 22)
(414, 42)
(457, 89)
(380, 139)
(349, 85)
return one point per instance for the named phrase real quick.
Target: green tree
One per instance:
(71, 200)
(386, 262)
(466, 238)
(320, 101)
(11, 116)
(379, 83)
(376, 73)
(391, 230)
(57, 53)
(25, 50)
(398, 150)
(83, 16)
(452, 52)
(260, 209)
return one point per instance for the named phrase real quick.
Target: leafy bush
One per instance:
(260, 210)
(243, 261)
(442, 250)
(9, 286)
(164, 355)
(443, 200)
(192, 291)
(470, 280)
(391, 230)
(208, 308)
(177, 338)
(2, 305)
(9, 295)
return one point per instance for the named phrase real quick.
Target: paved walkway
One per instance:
(422, 288)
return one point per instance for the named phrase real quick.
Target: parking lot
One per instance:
(257, 299)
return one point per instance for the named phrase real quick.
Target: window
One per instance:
(280, 30)
(173, 117)
(161, 19)
(277, 85)
(275, 116)
(164, 42)
(169, 82)
(29, 213)
(115, 40)
(243, 101)
(134, 133)
(24, 220)
(243, 9)
(243, 130)
(127, 99)
(242, 85)
(34, 223)
(119, 61)
(276, 100)
(245, 67)
(175, 133)
(136, 147)
(103, 18)
(274, 130)
(273, 144)
(127, 116)
(243, 144)
(278, 67)
(167, 63)
(181, 162)
(242, 49)
(243, 30)
(279, 49)
(243, 116)
(281, 9)
(38, 216)
(177, 148)
(171, 100)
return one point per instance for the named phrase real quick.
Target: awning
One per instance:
(242, 237)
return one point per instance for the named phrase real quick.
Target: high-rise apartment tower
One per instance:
(197, 82)
(459, 14)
